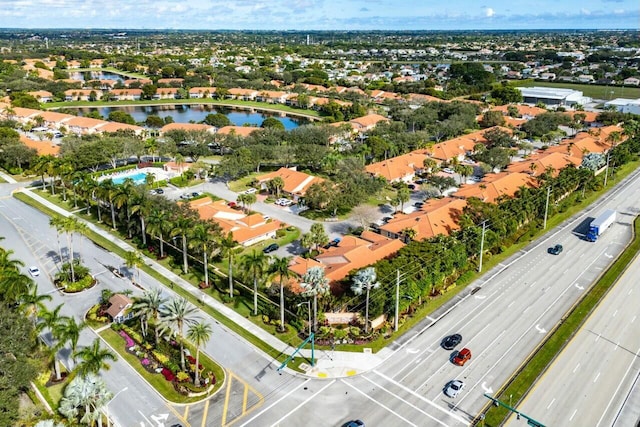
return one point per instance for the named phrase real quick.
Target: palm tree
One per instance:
(108, 191)
(174, 315)
(67, 330)
(315, 283)
(365, 280)
(254, 263)
(181, 227)
(280, 267)
(31, 302)
(157, 226)
(57, 222)
(148, 306)
(13, 284)
(199, 334)
(123, 195)
(85, 397)
(72, 225)
(228, 246)
(94, 358)
(201, 238)
(50, 319)
(142, 206)
(133, 259)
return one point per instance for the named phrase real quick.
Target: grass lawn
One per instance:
(593, 91)
(164, 387)
(239, 185)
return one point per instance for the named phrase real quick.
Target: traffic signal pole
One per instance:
(530, 421)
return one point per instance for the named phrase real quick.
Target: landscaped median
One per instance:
(158, 367)
(520, 384)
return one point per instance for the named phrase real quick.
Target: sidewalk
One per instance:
(329, 364)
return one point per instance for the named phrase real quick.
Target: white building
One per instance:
(553, 96)
(625, 105)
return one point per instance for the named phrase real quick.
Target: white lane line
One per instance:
(597, 337)
(397, 397)
(510, 304)
(531, 285)
(573, 415)
(596, 378)
(630, 290)
(622, 381)
(614, 313)
(616, 347)
(303, 403)
(418, 360)
(549, 405)
(634, 319)
(424, 399)
(293, 390)
(526, 309)
(576, 368)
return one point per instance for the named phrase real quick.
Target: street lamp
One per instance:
(106, 407)
(308, 304)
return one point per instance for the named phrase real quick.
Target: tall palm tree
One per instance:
(31, 302)
(133, 259)
(94, 358)
(123, 196)
(228, 246)
(108, 191)
(148, 306)
(315, 283)
(157, 224)
(57, 222)
(255, 263)
(363, 281)
(72, 225)
(50, 320)
(141, 205)
(175, 314)
(280, 267)
(199, 334)
(67, 330)
(181, 227)
(201, 239)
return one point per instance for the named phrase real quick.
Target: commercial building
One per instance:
(553, 96)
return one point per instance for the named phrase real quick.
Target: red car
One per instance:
(462, 357)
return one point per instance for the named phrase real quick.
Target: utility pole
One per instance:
(484, 227)
(546, 207)
(606, 171)
(397, 319)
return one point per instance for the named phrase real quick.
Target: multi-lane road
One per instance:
(518, 302)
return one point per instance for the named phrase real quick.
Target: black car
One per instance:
(159, 191)
(272, 247)
(451, 341)
(418, 204)
(556, 250)
(411, 187)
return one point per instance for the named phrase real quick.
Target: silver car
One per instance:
(453, 388)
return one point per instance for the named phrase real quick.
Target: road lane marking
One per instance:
(313, 396)
(244, 399)
(293, 390)
(614, 395)
(596, 378)
(405, 401)
(510, 304)
(573, 415)
(205, 412)
(225, 406)
(597, 337)
(549, 405)
(634, 319)
(614, 313)
(186, 412)
(630, 290)
(576, 368)
(424, 399)
(526, 309)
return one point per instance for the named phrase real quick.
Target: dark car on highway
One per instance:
(272, 247)
(450, 342)
(556, 250)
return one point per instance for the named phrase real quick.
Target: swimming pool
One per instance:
(138, 178)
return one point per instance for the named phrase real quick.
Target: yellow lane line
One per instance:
(225, 407)
(183, 419)
(244, 398)
(186, 412)
(204, 414)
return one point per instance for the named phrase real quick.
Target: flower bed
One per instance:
(128, 339)
(168, 375)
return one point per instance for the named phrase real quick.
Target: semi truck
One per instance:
(600, 224)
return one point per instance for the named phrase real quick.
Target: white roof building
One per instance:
(625, 105)
(553, 96)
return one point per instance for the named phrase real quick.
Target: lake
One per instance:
(188, 113)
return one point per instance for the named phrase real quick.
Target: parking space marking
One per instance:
(245, 399)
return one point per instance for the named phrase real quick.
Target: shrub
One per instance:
(280, 233)
(183, 376)
(161, 358)
(168, 375)
(354, 331)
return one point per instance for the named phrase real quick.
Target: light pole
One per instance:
(308, 304)
(106, 407)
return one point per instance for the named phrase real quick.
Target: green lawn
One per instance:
(593, 91)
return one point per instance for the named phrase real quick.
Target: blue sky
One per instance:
(321, 14)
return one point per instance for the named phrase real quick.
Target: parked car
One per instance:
(462, 357)
(355, 423)
(448, 170)
(286, 202)
(250, 191)
(159, 191)
(196, 194)
(272, 247)
(232, 204)
(34, 271)
(454, 388)
(556, 250)
(418, 204)
(450, 342)
(387, 218)
(411, 186)
(185, 196)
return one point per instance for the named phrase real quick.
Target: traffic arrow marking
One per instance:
(579, 287)
(486, 389)
(607, 255)
(480, 296)
(158, 418)
(413, 350)
(541, 330)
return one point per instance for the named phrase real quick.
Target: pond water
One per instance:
(95, 75)
(195, 113)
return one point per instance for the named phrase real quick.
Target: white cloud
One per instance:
(489, 12)
(585, 11)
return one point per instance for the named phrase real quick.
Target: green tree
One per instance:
(318, 235)
(255, 263)
(133, 259)
(84, 400)
(94, 358)
(218, 120)
(315, 283)
(148, 307)
(202, 238)
(272, 122)
(174, 315)
(363, 281)
(403, 195)
(121, 117)
(280, 267)
(199, 334)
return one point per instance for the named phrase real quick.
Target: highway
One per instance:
(588, 383)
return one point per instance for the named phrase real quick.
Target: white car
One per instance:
(250, 191)
(453, 388)
(34, 271)
(286, 202)
(448, 170)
